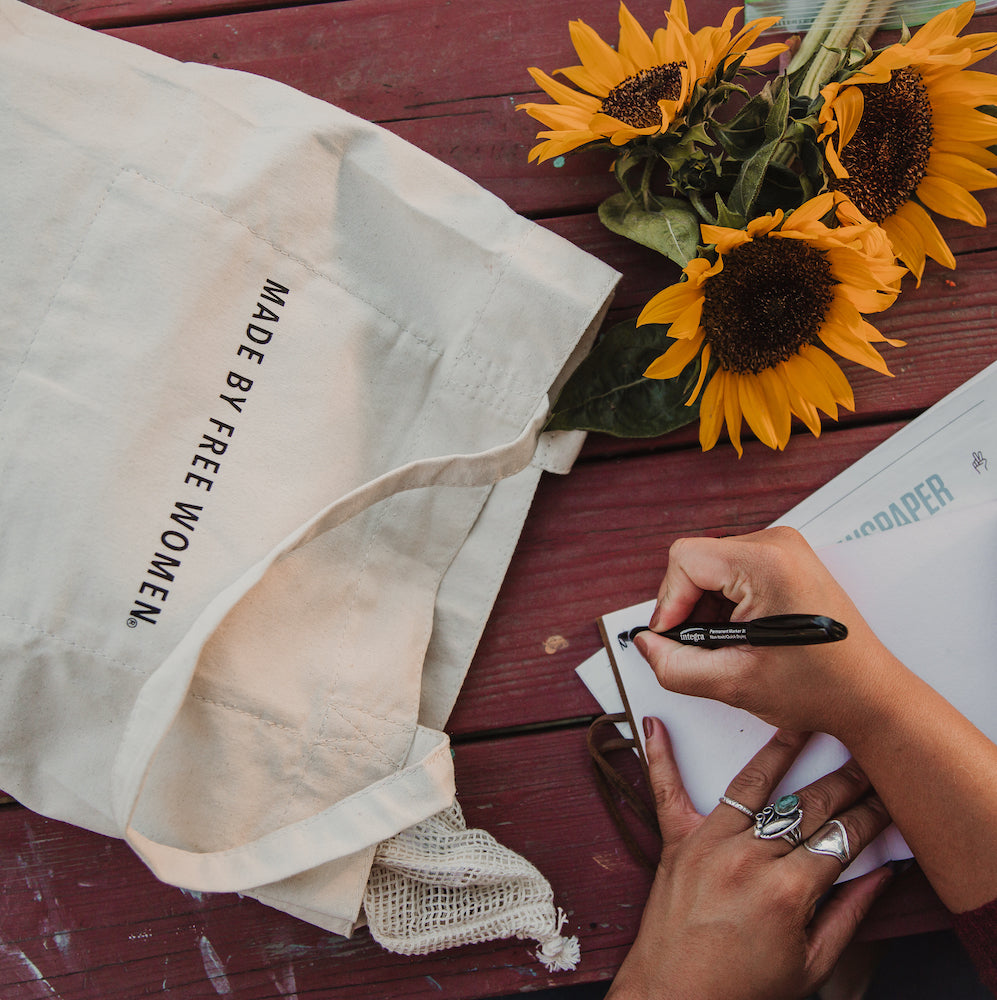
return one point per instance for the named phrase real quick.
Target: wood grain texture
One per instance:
(82, 918)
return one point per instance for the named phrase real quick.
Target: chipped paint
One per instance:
(213, 967)
(287, 985)
(553, 643)
(608, 862)
(15, 953)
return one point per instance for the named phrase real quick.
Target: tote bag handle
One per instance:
(356, 822)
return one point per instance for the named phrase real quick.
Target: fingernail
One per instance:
(653, 623)
(648, 727)
(641, 643)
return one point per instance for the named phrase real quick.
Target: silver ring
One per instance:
(738, 806)
(831, 839)
(781, 818)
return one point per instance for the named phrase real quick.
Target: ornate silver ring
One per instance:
(781, 818)
(738, 806)
(831, 839)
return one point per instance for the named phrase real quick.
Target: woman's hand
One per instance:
(769, 572)
(732, 916)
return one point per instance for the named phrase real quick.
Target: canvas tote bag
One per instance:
(272, 383)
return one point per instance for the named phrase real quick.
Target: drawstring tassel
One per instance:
(558, 953)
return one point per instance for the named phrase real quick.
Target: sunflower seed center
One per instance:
(635, 99)
(768, 301)
(888, 155)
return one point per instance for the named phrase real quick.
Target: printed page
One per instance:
(930, 592)
(945, 458)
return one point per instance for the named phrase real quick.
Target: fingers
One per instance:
(860, 824)
(838, 919)
(677, 816)
(695, 566)
(691, 670)
(753, 785)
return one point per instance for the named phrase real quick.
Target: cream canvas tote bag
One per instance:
(272, 384)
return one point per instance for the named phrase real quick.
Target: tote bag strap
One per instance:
(351, 824)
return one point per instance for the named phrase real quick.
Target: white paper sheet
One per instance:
(945, 458)
(929, 592)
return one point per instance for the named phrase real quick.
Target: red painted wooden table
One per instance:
(80, 916)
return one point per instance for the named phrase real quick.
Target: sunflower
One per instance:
(641, 87)
(903, 135)
(762, 317)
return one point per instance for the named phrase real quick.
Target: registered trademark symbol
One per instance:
(132, 622)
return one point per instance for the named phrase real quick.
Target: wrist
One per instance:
(874, 701)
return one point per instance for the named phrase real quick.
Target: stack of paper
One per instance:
(929, 591)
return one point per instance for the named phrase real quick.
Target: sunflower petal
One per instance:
(854, 348)
(832, 374)
(848, 110)
(801, 406)
(674, 360)
(777, 401)
(671, 302)
(635, 45)
(559, 117)
(803, 377)
(732, 413)
(961, 171)
(951, 122)
(711, 412)
(704, 364)
(581, 77)
(970, 150)
(597, 56)
(947, 198)
(934, 245)
(563, 94)
(907, 244)
(686, 324)
(971, 87)
(754, 406)
(565, 142)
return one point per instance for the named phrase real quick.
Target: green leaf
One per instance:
(672, 230)
(608, 391)
(754, 170)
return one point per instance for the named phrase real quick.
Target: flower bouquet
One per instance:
(793, 212)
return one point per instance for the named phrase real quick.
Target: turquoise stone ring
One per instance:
(781, 818)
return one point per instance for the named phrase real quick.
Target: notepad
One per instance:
(910, 532)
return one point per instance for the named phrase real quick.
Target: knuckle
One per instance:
(753, 779)
(866, 820)
(853, 776)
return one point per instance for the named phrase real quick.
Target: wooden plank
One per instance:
(370, 57)
(81, 917)
(117, 13)
(597, 540)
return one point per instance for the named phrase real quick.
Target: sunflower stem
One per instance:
(849, 26)
(645, 183)
(815, 35)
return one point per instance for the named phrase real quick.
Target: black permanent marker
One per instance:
(776, 630)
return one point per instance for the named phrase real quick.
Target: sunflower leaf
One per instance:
(755, 169)
(672, 230)
(608, 391)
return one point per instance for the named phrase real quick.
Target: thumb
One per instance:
(839, 918)
(706, 673)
